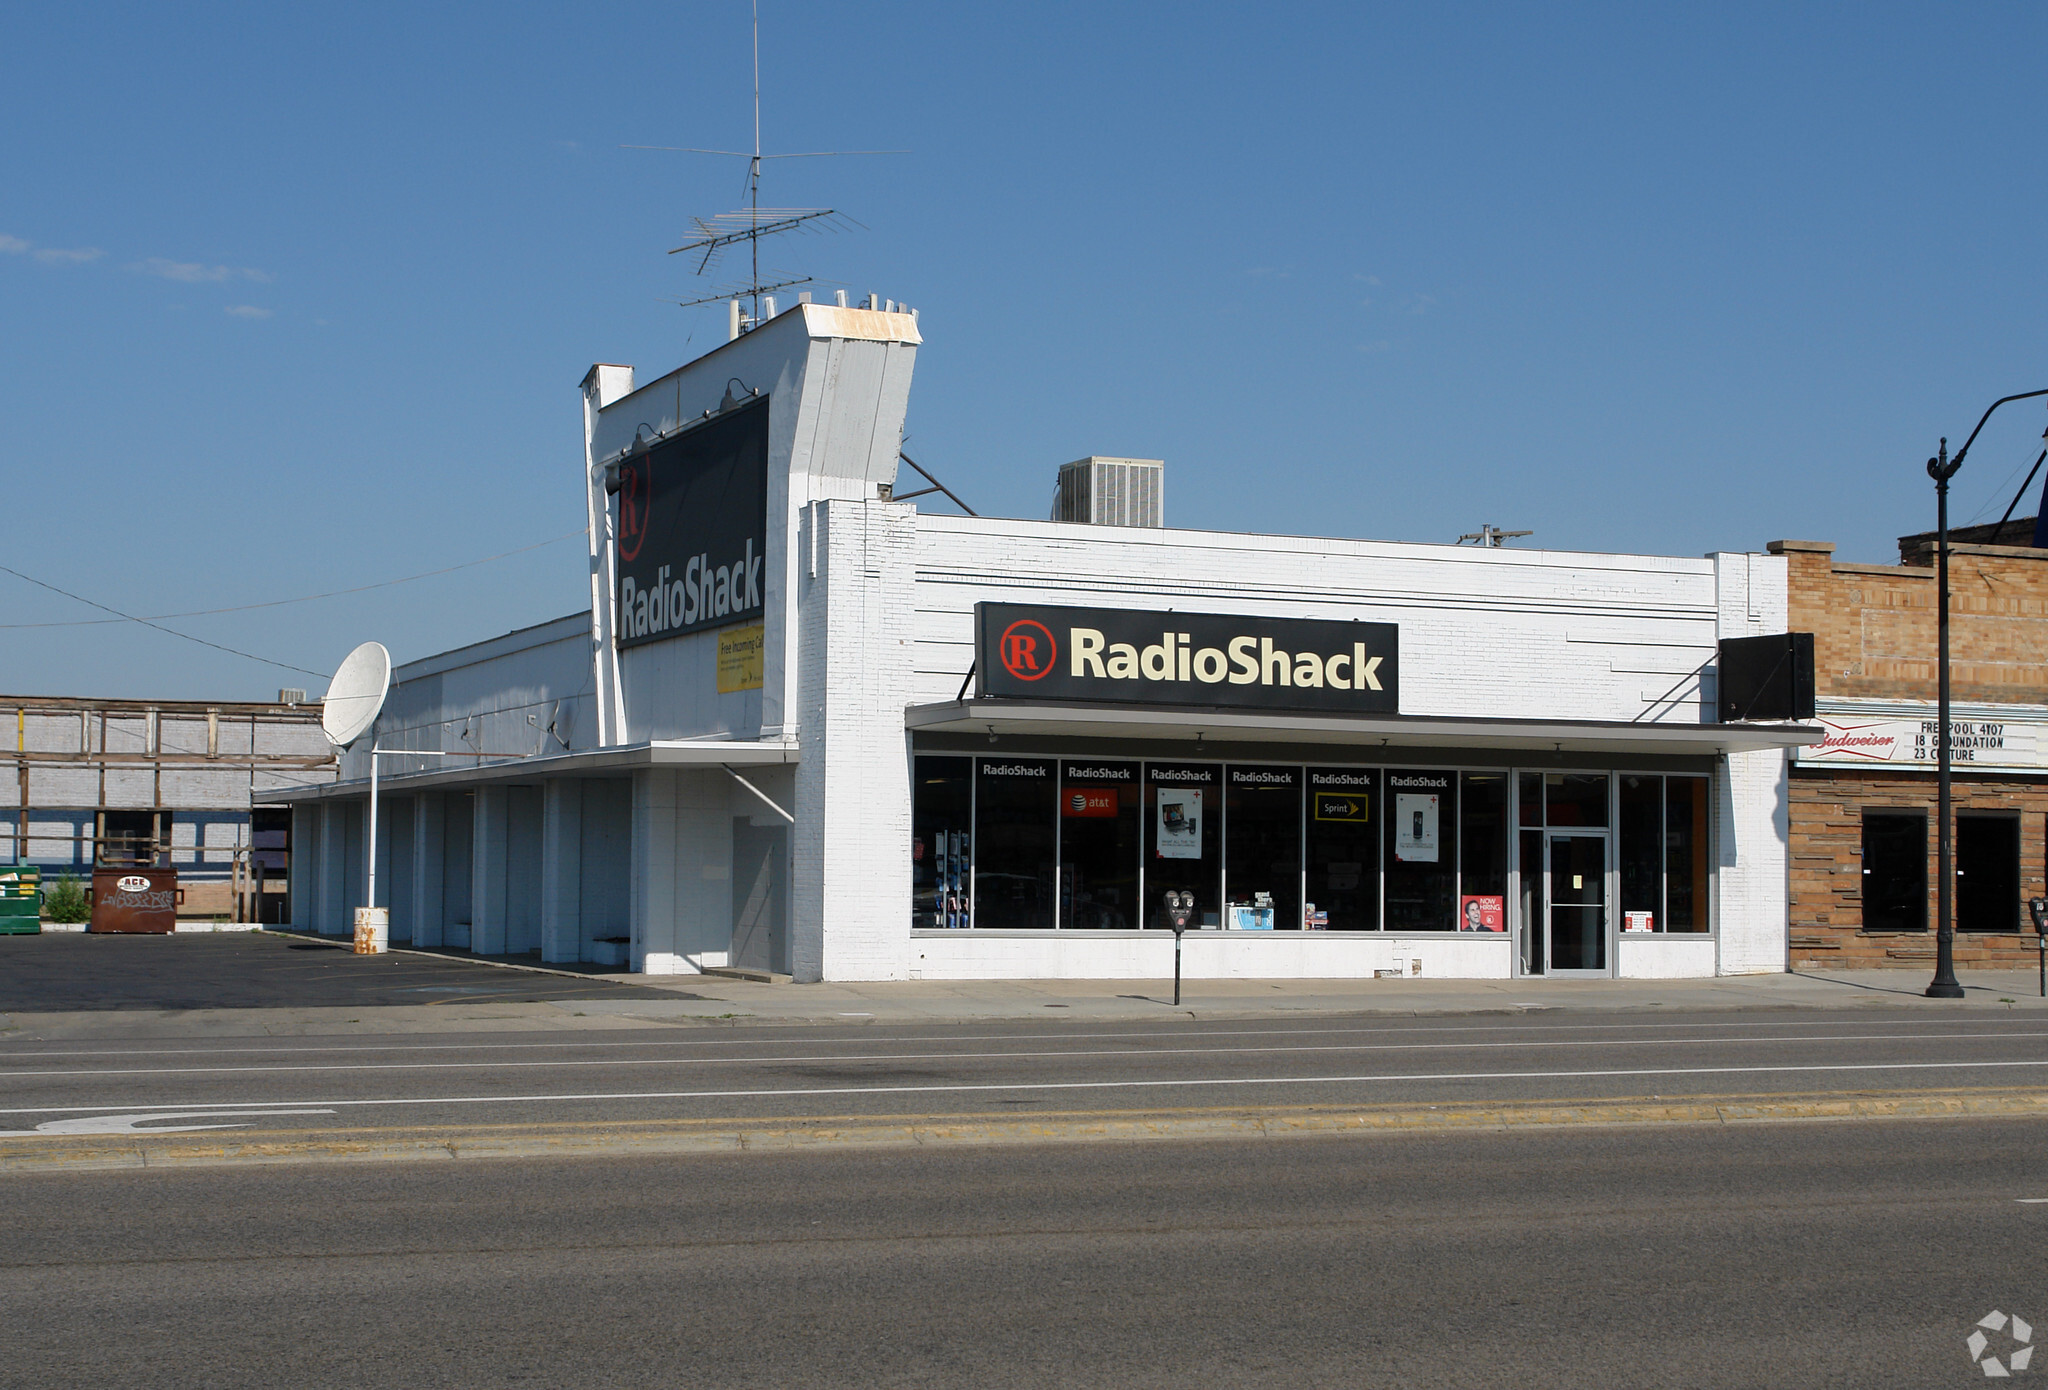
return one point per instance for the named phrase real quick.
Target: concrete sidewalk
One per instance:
(699, 1001)
(962, 1001)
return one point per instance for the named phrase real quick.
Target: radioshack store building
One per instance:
(800, 726)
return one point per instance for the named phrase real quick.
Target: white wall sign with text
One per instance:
(1860, 740)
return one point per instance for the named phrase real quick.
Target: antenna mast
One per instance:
(754, 169)
(714, 234)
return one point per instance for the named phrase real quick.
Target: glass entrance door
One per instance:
(1575, 901)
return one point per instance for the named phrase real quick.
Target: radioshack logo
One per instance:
(1028, 650)
(632, 507)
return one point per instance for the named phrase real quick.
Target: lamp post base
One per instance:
(1944, 990)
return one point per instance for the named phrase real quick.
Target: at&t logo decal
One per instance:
(1028, 650)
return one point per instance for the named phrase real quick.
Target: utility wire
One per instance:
(309, 598)
(130, 617)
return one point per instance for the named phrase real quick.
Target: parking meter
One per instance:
(1180, 910)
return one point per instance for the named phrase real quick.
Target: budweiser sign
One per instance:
(1914, 743)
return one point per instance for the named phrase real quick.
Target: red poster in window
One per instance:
(1482, 913)
(1088, 801)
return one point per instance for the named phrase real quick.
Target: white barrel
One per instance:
(373, 931)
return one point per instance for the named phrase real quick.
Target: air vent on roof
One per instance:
(291, 697)
(1098, 491)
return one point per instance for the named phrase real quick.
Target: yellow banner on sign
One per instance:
(739, 658)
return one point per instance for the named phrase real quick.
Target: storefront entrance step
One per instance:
(742, 972)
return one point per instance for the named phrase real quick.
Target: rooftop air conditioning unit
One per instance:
(1097, 491)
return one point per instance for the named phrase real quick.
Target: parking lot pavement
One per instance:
(73, 972)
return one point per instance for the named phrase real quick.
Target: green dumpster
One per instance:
(21, 902)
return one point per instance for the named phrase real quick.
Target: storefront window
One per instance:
(1015, 829)
(1343, 850)
(1988, 873)
(1262, 848)
(1183, 843)
(1098, 844)
(941, 806)
(1641, 853)
(1483, 852)
(1685, 854)
(1533, 935)
(1530, 798)
(1421, 851)
(1573, 799)
(1894, 871)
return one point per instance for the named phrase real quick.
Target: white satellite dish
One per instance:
(356, 694)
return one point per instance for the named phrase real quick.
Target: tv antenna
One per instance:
(750, 224)
(1490, 537)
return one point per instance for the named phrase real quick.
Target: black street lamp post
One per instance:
(1941, 468)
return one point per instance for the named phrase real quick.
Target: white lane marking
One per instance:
(126, 1124)
(993, 1086)
(865, 1038)
(1015, 1056)
(2030, 1201)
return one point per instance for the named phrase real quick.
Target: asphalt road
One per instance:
(281, 1085)
(1837, 1254)
(63, 971)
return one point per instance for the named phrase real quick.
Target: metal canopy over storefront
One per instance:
(692, 753)
(1048, 720)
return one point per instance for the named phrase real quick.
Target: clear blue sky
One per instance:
(296, 298)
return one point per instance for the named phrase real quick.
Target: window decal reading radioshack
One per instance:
(1032, 652)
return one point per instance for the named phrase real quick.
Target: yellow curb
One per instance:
(728, 1136)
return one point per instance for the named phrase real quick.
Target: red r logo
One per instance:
(632, 507)
(1027, 649)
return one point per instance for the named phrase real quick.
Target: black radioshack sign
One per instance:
(1033, 652)
(693, 529)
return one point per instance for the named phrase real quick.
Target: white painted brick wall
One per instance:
(1753, 799)
(1503, 633)
(850, 889)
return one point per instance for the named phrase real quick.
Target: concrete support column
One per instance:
(653, 876)
(850, 890)
(428, 829)
(487, 873)
(561, 870)
(332, 918)
(1752, 896)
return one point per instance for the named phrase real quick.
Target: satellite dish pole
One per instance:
(355, 697)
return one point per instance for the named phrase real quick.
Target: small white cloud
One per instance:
(246, 311)
(1377, 345)
(13, 245)
(1421, 304)
(184, 272)
(75, 255)
(573, 146)
(261, 277)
